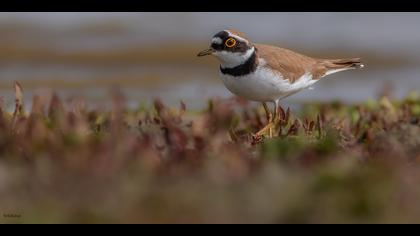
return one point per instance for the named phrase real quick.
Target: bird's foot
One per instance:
(270, 128)
(267, 130)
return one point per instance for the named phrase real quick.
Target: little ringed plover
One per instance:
(266, 73)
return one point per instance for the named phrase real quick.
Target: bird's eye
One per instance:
(230, 42)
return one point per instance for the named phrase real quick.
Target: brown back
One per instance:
(290, 64)
(293, 65)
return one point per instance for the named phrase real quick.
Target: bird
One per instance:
(266, 73)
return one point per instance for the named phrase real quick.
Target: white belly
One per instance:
(265, 86)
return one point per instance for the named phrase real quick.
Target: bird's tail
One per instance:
(344, 63)
(336, 65)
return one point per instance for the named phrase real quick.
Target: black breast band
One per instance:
(247, 67)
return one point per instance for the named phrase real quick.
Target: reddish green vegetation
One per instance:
(328, 163)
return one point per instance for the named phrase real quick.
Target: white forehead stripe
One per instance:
(217, 40)
(236, 36)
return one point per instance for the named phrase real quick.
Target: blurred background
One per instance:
(150, 55)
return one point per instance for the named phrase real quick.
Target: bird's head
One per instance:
(230, 47)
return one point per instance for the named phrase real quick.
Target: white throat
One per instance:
(233, 59)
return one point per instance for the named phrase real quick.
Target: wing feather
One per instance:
(291, 65)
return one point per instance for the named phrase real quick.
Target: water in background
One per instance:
(152, 55)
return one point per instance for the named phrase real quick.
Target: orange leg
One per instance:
(269, 128)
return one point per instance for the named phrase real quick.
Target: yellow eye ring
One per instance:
(231, 42)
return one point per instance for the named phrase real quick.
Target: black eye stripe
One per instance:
(216, 46)
(240, 46)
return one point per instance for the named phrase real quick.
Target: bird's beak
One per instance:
(205, 52)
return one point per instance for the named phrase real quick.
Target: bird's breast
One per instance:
(261, 85)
